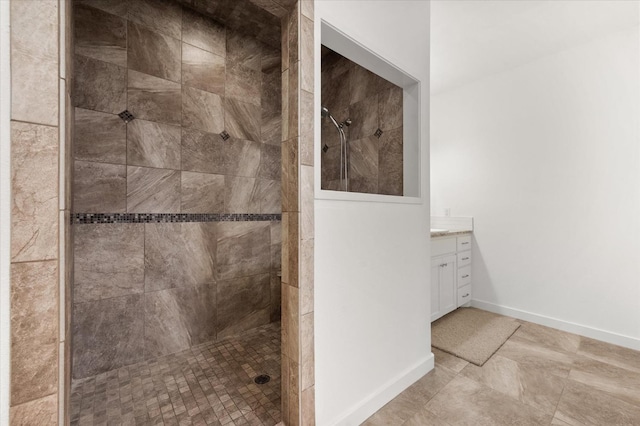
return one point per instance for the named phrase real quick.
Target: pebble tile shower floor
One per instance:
(208, 384)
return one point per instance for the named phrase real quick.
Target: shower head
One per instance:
(324, 112)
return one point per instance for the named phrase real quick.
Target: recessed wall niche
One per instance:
(369, 138)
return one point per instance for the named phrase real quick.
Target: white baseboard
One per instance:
(594, 333)
(377, 399)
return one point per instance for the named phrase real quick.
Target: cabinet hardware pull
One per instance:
(466, 242)
(465, 276)
(466, 295)
(465, 258)
(443, 265)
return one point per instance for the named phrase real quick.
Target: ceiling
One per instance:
(471, 39)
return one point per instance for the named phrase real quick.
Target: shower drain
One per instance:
(262, 379)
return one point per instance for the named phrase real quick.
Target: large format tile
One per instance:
(269, 195)
(243, 303)
(153, 190)
(451, 362)
(178, 318)
(116, 7)
(243, 50)
(306, 54)
(390, 108)
(202, 152)
(411, 402)
(611, 354)
(529, 354)
(100, 35)
(203, 70)
(155, 99)
(290, 176)
(99, 187)
(164, 16)
(242, 119)
(425, 417)
(109, 261)
(200, 251)
(363, 83)
(335, 86)
(34, 89)
(202, 193)
(549, 337)
(363, 165)
(202, 110)
(203, 32)
(466, 402)
(270, 162)
(34, 61)
(98, 136)
(153, 144)
(163, 256)
(391, 163)
(364, 115)
(100, 86)
(42, 411)
(584, 405)
(241, 195)
(271, 59)
(243, 249)
(34, 28)
(276, 298)
(529, 385)
(330, 165)
(557, 422)
(153, 53)
(271, 107)
(242, 157)
(243, 84)
(107, 334)
(619, 382)
(34, 331)
(178, 255)
(34, 177)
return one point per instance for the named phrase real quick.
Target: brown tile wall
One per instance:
(40, 212)
(298, 380)
(372, 103)
(186, 79)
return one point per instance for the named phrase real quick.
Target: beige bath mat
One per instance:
(472, 334)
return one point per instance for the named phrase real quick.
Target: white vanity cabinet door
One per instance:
(443, 286)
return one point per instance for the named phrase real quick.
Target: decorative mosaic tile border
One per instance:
(96, 218)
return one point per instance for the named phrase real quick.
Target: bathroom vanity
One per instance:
(450, 271)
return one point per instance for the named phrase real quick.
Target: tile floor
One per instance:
(540, 376)
(209, 384)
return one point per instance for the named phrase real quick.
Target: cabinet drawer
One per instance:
(464, 295)
(464, 258)
(464, 276)
(464, 243)
(443, 246)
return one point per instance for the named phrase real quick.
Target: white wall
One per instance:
(546, 157)
(372, 330)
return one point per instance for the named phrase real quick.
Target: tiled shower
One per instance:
(375, 136)
(176, 183)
